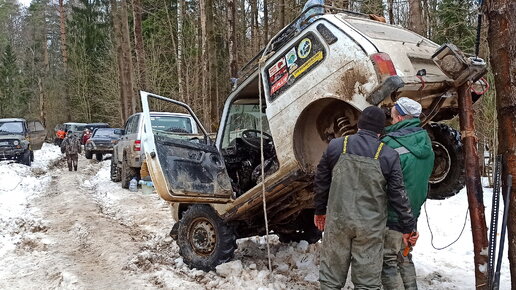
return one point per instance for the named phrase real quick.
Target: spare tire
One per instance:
(448, 175)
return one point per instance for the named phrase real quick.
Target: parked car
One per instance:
(76, 128)
(128, 153)
(18, 139)
(93, 126)
(314, 83)
(101, 142)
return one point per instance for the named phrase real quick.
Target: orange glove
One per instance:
(319, 221)
(409, 240)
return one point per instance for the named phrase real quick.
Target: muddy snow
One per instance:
(79, 230)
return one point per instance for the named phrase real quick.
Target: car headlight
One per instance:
(16, 143)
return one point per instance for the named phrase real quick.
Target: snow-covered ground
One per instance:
(78, 230)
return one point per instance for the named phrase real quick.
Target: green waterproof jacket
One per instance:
(417, 161)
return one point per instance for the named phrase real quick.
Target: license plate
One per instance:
(4, 143)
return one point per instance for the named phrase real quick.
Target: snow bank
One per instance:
(19, 184)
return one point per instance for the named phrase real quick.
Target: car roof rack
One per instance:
(297, 26)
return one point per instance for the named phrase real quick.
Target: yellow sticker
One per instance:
(317, 57)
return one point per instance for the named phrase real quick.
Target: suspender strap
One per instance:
(378, 151)
(402, 150)
(345, 146)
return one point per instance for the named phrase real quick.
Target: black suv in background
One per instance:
(101, 142)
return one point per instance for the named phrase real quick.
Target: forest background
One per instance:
(85, 60)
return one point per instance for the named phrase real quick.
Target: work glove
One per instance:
(319, 221)
(413, 238)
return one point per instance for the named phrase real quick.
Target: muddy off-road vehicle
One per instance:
(18, 139)
(314, 82)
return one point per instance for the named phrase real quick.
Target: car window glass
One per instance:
(11, 127)
(101, 133)
(128, 125)
(175, 124)
(243, 117)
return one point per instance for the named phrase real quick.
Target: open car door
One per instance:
(37, 134)
(183, 169)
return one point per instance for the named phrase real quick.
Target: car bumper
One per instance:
(10, 153)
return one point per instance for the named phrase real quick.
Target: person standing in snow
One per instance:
(355, 179)
(417, 161)
(72, 149)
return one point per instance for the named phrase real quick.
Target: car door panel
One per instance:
(37, 134)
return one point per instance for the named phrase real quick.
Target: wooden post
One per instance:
(474, 187)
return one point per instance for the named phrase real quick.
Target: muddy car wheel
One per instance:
(114, 172)
(307, 230)
(448, 175)
(98, 156)
(88, 154)
(127, 174)
(25, 158)
(204, 240)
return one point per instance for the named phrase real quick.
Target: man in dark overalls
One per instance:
(355, 179)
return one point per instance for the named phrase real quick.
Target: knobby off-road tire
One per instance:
(204, 240)
(88, 154)
(115, 172)
(307, 230)
(127, 173)
(98, 156)
(25, 158)
(448, 176)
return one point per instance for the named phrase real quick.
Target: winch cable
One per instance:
(432, 234)
(262, 160)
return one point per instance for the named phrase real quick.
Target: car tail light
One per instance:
(137, 145)
(383, 63)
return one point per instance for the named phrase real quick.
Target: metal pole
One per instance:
(496, 278)
(474, 187)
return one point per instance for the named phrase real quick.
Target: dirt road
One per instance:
(83, 231)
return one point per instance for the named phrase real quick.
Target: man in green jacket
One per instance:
(417, 161)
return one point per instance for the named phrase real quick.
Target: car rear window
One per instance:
(382, 31)
(101, 132)
(171, 124)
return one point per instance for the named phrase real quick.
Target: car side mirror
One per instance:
(120, 131)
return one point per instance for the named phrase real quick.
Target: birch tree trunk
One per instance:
(64, 54)
(502, 44)
(179, 51)
(233, 70)
(204, 64)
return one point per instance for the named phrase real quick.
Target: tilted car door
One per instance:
(37, 134)
(184, 170)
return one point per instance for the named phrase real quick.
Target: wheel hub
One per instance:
(442, 163)
(202, 236)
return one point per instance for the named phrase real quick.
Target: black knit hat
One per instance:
(372, 119)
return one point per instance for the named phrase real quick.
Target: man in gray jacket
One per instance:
(355, 179)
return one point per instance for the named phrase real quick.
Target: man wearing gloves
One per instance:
(355, 179)
(417, 161)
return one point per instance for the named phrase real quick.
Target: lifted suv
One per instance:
(314, 84)
(128, 153)
(18, 138)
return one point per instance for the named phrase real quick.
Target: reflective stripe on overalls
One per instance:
(355, 223)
